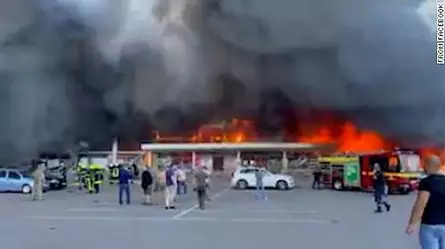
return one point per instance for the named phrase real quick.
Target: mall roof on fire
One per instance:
(272, 146)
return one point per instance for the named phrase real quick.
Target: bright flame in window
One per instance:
(239, 138)
(393, 161)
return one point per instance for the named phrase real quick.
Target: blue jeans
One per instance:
(432, 236)
(261, 193)
(124, 189)
(181, 188)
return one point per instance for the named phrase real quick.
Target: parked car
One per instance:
(244, 178)
(56, 177)
(12, 180)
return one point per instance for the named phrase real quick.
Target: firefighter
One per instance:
(96, 175)
(317, 175)
(114, 173)
(39, 177)
(380, 189)
(81, 173)
(88, 180)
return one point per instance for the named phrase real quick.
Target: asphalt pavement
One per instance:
(298, 218)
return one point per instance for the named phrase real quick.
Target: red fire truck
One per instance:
(402, 170)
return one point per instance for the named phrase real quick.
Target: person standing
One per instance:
(181, 181)
(428, 209)
(208, 182)
(201, 177)
(39, 178)
(260, 191)
(175, 181)
(159, 187)
(124, 185)
(380, 189)
(170, 187)
(147, 186)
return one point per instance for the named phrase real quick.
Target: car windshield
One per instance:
(410, 163)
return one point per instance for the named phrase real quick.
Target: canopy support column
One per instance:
(238, 158)
(193, 160)
(285, 162)
(148, 159)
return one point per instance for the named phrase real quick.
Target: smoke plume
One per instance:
(76, 70)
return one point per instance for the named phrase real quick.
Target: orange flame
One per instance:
(345, 134)
(235, 131)
(350, 139)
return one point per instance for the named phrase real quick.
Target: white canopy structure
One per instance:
(202, 147)
(238, 148)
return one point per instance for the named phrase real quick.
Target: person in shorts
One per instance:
(429, 208)
(147, 186)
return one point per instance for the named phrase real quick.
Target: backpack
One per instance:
(147, 179)
(169, 177)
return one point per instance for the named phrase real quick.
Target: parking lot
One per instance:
(301, 217)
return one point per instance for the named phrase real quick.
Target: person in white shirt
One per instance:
(181, 181)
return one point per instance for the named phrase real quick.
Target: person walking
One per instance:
(124, 185)
(39, 178)
(170, 187)
(147, 186)
(380, 189)
(208, 182)
(317, 174)
(181, 181)
(428, 209)
(260, 191)
(201, 177)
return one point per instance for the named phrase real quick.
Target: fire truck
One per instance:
(401, 168)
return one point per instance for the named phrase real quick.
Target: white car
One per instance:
(244, 178)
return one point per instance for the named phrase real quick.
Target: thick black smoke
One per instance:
(371, 60)
(78, 70)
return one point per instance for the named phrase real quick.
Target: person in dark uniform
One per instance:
(380, 189)
(316, 183)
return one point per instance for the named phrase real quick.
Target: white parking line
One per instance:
(185, 219)
(260, 211)
(213, 197)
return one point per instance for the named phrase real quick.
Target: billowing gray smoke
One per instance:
(92, 69)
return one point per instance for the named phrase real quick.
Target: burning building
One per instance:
(93, 70)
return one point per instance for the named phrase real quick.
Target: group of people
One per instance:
(170, 182)
(428, 211)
